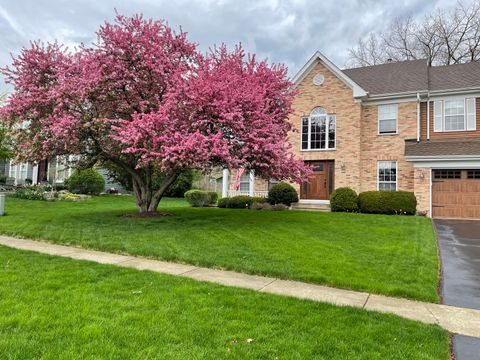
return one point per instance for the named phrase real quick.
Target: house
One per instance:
(53, 171)
(397, 126)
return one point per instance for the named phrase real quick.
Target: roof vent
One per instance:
(389, 60)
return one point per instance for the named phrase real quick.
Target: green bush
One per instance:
(240, 202)
(282, 193)
(198, 198)
(86, 181)
(344, 199)
(31, 193)
(384, 202)
(222, 203)
(179, 187)
(3, 179)
(213, 197)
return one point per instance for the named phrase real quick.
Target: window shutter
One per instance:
(470, 114)
(438, 116)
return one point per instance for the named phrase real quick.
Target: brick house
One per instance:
(398, 126)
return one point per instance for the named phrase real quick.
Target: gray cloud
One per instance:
(284, 31)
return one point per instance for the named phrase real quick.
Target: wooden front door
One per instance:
(42, 171)
(320, 182)
(456, 194)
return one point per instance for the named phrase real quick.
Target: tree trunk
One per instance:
(146, 198)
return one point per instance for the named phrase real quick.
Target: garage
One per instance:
(456, 193)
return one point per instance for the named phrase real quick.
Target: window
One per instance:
(272, 183)
(454, 115)
(318, 130)
(473, 174)
(387, 119)
(387, 175)
(447, 174)
(245, 181)
(19, 172)
(457, 114)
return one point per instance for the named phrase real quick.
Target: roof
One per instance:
(451, 147)
(391, 78)
(458, 76)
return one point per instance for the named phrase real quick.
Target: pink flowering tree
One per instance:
(143, 99)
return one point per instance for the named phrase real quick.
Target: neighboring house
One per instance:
(397, 126)
(54, 171)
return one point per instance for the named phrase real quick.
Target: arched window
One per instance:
(318, 130)
(318, 111)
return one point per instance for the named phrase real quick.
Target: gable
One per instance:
(319, 58)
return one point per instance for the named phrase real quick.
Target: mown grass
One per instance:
(392, 255)
(58, 308)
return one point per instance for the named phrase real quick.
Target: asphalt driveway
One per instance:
(459, 242)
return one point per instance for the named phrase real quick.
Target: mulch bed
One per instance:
(149, 214)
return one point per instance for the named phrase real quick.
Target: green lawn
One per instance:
(392, 255)
(57, 308)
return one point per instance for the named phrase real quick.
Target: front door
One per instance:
(320, 182)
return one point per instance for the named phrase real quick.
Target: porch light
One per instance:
(421, 175)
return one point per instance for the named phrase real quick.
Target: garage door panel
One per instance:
(456, 197)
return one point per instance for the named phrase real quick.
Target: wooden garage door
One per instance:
(456, 194)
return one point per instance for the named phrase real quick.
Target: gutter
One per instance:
(441, 157)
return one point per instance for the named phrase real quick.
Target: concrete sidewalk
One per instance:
(454, 319)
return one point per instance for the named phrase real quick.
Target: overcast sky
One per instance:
(282, 31)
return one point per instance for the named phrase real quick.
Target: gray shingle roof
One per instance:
(458, 76)
(391, 78)
(451, 147)
(413, 76)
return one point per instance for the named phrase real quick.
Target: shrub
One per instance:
(222, 203)
(384, 202)
(60, 186)
(279, 207)
(213, 197)
(180, 186)
(240, 202)
(3, 179)
(261, 206)
(282, 193)
(344, 199)
(86, 181)
(31, 193)
(198, 198)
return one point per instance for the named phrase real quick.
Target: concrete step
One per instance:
(311, 207)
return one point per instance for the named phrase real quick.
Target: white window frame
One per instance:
(390, 182)
(439, 104)
(309, 131)
(247, 175)
(379, 120)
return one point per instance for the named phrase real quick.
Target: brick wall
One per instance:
(375, 147)
(422, 189)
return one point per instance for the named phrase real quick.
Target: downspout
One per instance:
(428, 116)
(418, 117)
